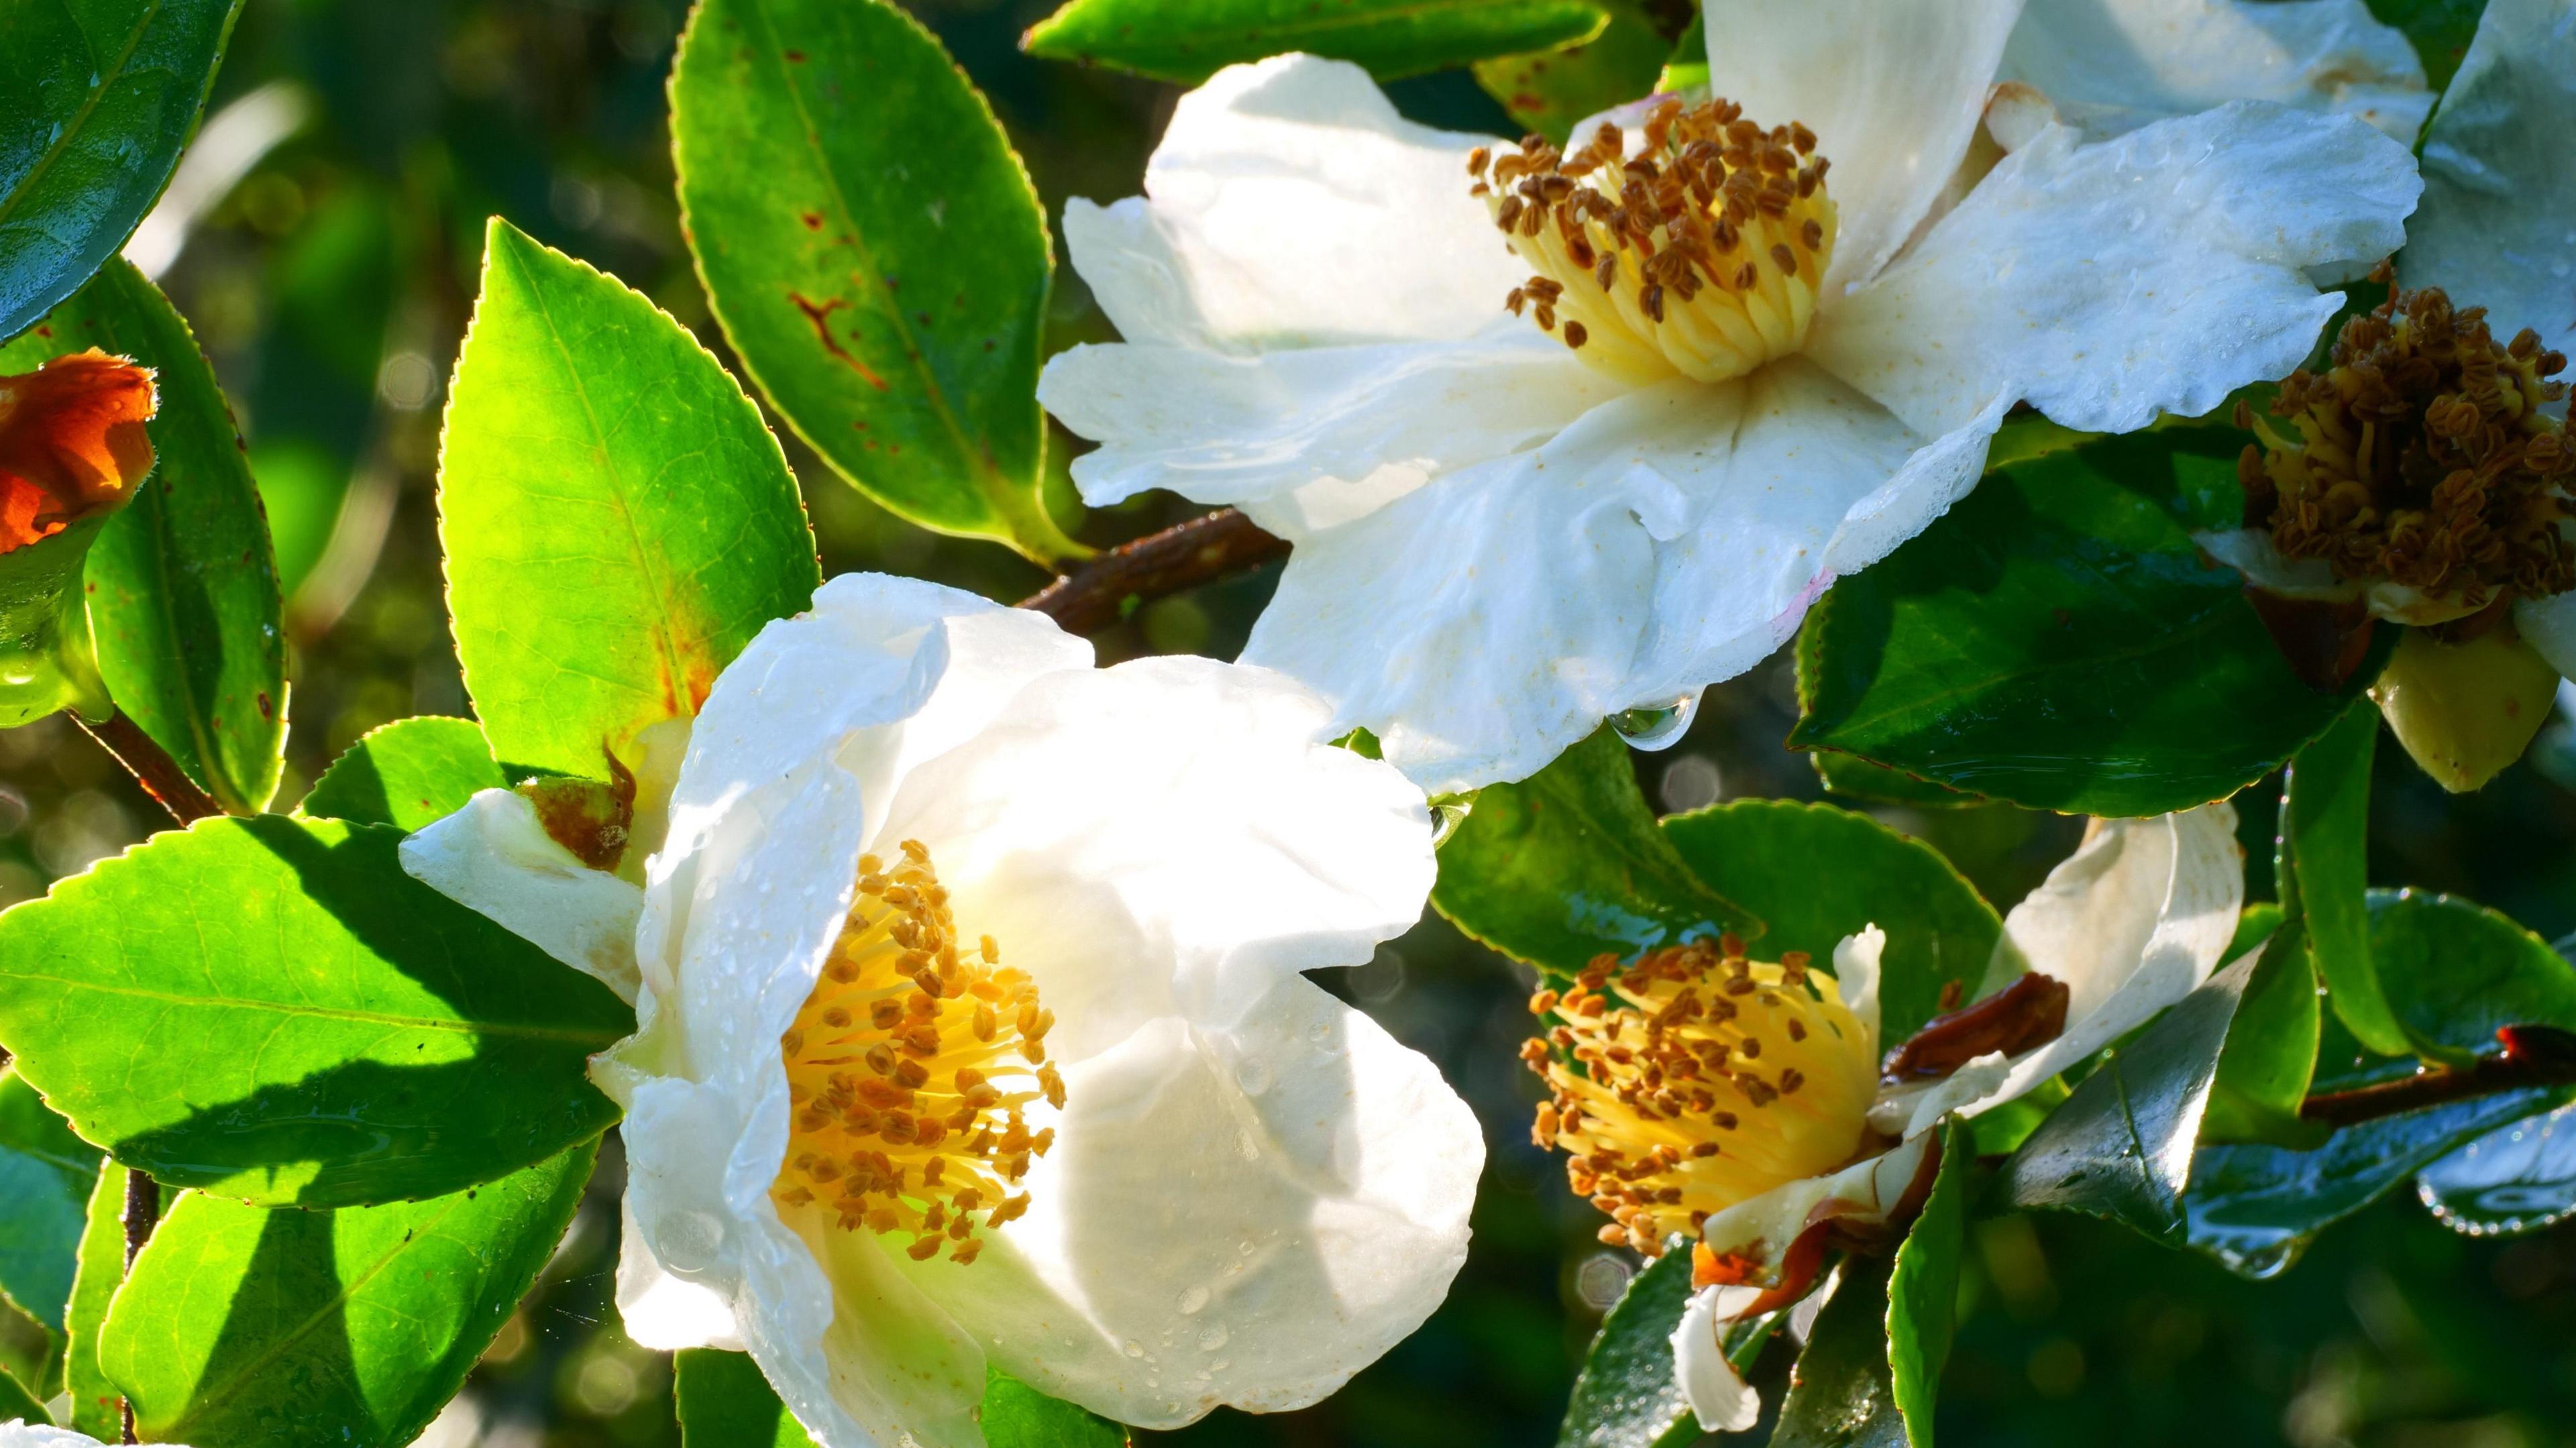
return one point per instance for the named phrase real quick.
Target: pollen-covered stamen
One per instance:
(913, 1070)
(1702, 253)
(2420, 458)
(1695, 1079)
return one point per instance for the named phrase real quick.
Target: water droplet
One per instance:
(1246, 1247)
(1253, 1075)
(1656, 726)
(688, 1241)
(1446, 816)
(1193, 1300)
(1135, 1349)
(1246, 1147)
(1212, 1337)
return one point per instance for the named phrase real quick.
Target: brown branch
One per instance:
(2530, 1056)
(142, 1214)
(161, 775)
(1108, 588)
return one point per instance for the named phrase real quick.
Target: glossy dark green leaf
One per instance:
(1626, 1396)
(2325, 818)
(893, 314)
(96, 98)
(2454, 971)
(1547, 91)
(2121, 1146)
(182, 587)
(17, 1403)
(2271, 1050)
(46, 1174)
(1852, 777)
(2517, 1178)
(1568, 864)
(1188, 43)
(726, 1403)
(1923, 1289)
(2056, 640)
(244, 1326)
(1016, 1415)
(407, 774)
(618, 523)
(102, 1271)
(1815, 873)
(1840, 1392)
(2440, 29)
(272, 1010)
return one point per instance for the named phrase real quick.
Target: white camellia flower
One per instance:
(1742, 1103)
(972, 1027)
(19, 1433)
(1558, 436)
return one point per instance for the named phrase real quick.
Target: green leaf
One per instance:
(895, 315)
(1568, 863)
(272, 1010)
(2454, 971)
(406, 774)
(1188, 43)
(618, 523)
(1923, 1288)
(242, 1325)
(46, 1174)
(182, 586)
(1687, 66)
(2121, 1146)
(1548, 91)
(1840, 1393)
(1626, 1396)
(2271, 1050)
(45, 662)
(726, 1403)
(2517, 1178)
(96, 98)
(2440, 29)
(2057, 640)
(2325, 816)
(1019, 1416)
(102, 1271)
(1853, 777)
(1816, 873)
(16, 1402)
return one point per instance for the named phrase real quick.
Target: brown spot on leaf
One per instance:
(820, 313)
(813, 221)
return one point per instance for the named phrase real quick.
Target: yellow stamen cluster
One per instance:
(2420, 458)
(1702, 254)
(912, 1069)
(1695, 1079)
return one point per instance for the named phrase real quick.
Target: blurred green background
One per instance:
(329, 276)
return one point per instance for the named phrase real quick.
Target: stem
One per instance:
(1108, 588)
(161, 775)
(2530, 1056)
(142, 1213)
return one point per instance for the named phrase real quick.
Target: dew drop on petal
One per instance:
(1212, 1337)
(1193, 1300)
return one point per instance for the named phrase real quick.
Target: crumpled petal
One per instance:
(1892, 89)
(2112, 66)
(2106, 283)
(1241, 1214)
(2549, 625)
(494, 857)
(2499, 217)
(2251, 551)
(1759, 1232)
(1718, 1396)
(1288, 205)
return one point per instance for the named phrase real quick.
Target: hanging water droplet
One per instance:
(1446, 816)
(1656, 726)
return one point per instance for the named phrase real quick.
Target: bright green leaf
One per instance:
(1687, 66)
(1840, 1394)
(2271, 1050)
(1019, 1416)
(2516, 1178)
(242, 1325)
(1548, 91)
(407, 774)
(726, 1403)
(1923, 1288)
(45, 663)
(1188, 43)
(182, 588)
(2056, 640)
(102, 1271)
(2454, 971)
(1627, 1396)
(1568, 863)
(618, 523)
(46, 1174)
(1815, 873)
(893, 314)
(2325, 814)
(96, 98)
(271, 1009)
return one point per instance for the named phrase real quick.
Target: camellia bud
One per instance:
(2465, 710)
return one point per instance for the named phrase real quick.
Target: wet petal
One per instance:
(493, 857)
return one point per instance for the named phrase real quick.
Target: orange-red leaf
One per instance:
(71, 443)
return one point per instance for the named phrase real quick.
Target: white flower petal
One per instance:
(2250, 551)
(1857, 975)
(1764, 1227)
(2114, 65)
(2499, 218)
(1911, 1110)
(1892, 89)
(1719, 1398)
(1289, 205)
(495, 858)
(660, 1310)
(2549, 625)
(1237, 1214)
(1164, 836)
(19, 1433)
(2106, 283)
(1306, 438)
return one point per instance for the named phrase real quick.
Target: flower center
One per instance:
(911, 1069)
(1702, 254)
(1696, 1079)
(2420, 457)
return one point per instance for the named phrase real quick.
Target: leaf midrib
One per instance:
(80, 118)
